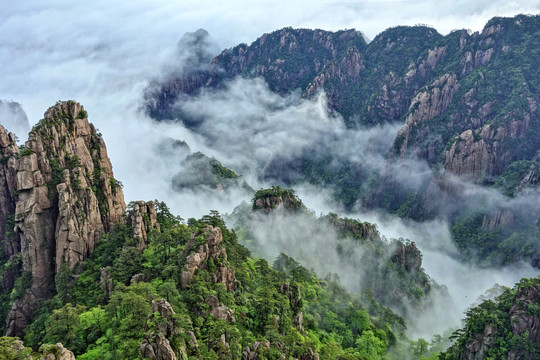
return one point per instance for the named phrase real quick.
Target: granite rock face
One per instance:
(67, 199)
(201, 248)
(143, 218)
(9, 153)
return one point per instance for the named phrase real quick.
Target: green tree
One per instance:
(64, 326)
(11, 348)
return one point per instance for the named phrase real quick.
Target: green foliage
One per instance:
(287, 196)
(12, 349)
(204, 173)
(499, 246)
(266, 303)
(24, 151)
(63, 325)
(22, 284)
(115, 185)
(221, 171)
(495, 315)
(82, 114)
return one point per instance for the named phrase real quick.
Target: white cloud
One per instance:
(103, 54)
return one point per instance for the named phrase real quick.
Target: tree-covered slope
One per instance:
(391, 269)
(504, 328)
(467, 102)
(194, 292)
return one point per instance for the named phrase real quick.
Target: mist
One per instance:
(248, 126)
(13, 117)
(104, 55)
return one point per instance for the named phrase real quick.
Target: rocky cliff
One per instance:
(467, 104)
(67, 198)
(10, 247)
(277, 201)
(468, 101)
(143, 219)
(202, 249)
(507, 327)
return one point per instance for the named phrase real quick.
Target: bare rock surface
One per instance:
(9, 152)
(143, 218)
(67, 199)
(201, 248)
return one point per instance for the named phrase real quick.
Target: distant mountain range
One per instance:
(467, 103)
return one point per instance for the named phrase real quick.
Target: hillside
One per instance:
(465, 106)
(143, 283)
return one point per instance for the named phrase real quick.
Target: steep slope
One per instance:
(469, 108)
(505, 328)
(10, 248)
(480, 115)
(278, 222)
(194, 292)
(287, 59)
(66, 199)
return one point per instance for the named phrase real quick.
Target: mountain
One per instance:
(101, 280)
(59, 197)
(504, 328)
(467, 105)
(82, 271)
(199, 172)
(355, 251)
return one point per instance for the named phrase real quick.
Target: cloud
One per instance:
(103, 54)
(14, 119)
(465, 282)
(257, 132)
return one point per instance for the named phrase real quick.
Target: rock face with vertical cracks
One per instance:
(67, 198)
(143, 218)
(8, 186)
(202, 248)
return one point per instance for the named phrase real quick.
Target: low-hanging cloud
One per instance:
(104, 55)
(14, 119)
(250, 126)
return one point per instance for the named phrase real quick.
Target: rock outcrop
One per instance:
(295, 301)
(56, 352)
(67, 199)
(252, 352)
(426, 105)
(156, 345)
(407, 256)
(487, 151)
(157, 348)
(13, 348)
(344, 226)
(219, 311)
(143, 218)
(9, 152)
(106, 280)
(277, 201)
(507, 327)
(201, 248)
(526, 322)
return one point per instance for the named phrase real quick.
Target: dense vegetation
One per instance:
(501, 328)
(353, 249)
(203, 173)
(105, 307)
(495, 97)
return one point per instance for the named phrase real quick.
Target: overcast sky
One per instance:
(102, 54)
